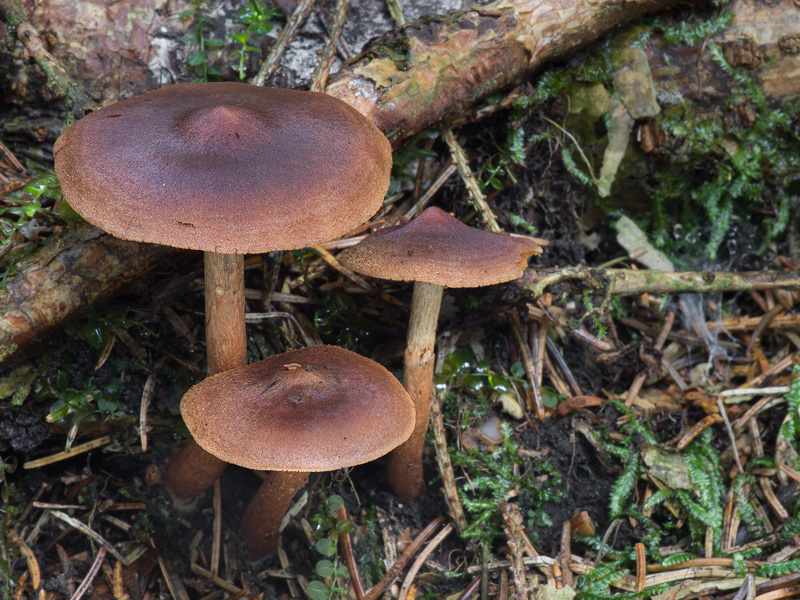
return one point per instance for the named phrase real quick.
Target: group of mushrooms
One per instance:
(235, 169)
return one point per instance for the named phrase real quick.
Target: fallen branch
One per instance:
(627, 282)
(58, 80)
(81, 266)
(442, 66)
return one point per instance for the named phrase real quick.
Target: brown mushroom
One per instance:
(435, 250)
(227, 168)
(315, 409)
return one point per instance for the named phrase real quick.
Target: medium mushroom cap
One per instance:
(225, 167)
(315, 409)
(438, 248)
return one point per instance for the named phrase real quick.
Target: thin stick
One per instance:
(470, 590)
(566, 552)
(556, 354)
(59, 456)
(478, 199)
(640, 378)
(320, 77)
(349, 558)
(331, 260)
(731, 435)
(394, 571)
(762, 325)
(441, 178)
(215, 579)
(445, 466)
(147, 395)
(30, 557)
(587, 337)
(272, 62)
(789, 471)
(628, 282)
(217, 530)
(423, 556)
(87, 581)
(88, 531)
(641, 567)
(527, 361)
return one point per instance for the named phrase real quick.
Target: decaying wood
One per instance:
(628, 282)
(79, 267)
(440, 67)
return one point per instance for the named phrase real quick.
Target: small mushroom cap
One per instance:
(315, 409)
(225, 167)
(438, 248)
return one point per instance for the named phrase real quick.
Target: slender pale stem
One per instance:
(191, 470)
(405, 461)
(226, 337)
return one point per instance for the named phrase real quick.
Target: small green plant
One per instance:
(198, 60)
(18, 213)
(96, 327)
(330, 569)
(81, 403)
(256, 16)
(791, 428)
(341, 315)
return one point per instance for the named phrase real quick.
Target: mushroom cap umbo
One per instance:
(315, 409)
(438, 248)
(225, 167)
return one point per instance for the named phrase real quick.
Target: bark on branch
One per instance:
(440, 67)
(59, 82)
(627, 282)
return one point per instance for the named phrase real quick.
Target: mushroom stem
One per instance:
(405, 461)
(226, 338)
(192, 470)
(262, 519)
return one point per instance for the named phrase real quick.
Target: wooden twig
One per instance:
(215, 579)
(320, 76)
(445, 466)
(480, 51)
(628, 282)
(478, 199)
(30, 557)
(273, 60)
(527, 361)
(74, 451)
(88, 531)
(659, 344)
(641, 567)
(423, 556)
(93, 571)
(394, 571)
(216, 543)
(349, 558)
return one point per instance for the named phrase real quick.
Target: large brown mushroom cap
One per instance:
(315, 409)
(438, 248)
(225, 167)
